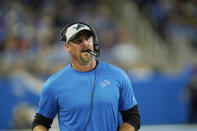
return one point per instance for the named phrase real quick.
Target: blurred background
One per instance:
(154, 41)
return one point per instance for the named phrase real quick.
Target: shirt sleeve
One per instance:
(127, 99)
(48, 102)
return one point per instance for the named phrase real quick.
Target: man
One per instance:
(88, 94)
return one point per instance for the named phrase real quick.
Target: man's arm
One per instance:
(41, 123)
(131, 119)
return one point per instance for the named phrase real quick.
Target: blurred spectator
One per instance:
(22, 116)
(192, 87)
(125, 53)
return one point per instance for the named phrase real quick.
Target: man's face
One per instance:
(77, 46)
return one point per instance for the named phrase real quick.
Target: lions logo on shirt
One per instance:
(105, 83)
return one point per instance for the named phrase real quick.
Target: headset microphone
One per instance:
(94, 53)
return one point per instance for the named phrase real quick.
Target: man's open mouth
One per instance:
(84, 50)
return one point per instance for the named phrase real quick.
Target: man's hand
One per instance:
(40, 128)
(126, 127)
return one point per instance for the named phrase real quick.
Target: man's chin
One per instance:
(86, 57)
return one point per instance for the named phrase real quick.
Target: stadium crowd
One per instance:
(30, 32)
(172, 18)
(30, 29)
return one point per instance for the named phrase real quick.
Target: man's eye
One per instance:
(77, 41)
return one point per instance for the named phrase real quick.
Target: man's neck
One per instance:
(86, 67)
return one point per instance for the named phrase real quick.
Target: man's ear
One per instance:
(67, 47)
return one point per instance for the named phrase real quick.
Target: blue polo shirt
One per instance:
(68, 92)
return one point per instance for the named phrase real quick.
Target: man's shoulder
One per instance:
(58, 76)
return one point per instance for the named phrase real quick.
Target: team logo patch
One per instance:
(105, 83)
(79, 26)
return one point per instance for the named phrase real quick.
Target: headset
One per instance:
(96, 51)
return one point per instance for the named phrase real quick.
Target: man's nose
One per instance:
(84, 42)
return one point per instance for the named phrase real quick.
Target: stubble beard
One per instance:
(84, 59)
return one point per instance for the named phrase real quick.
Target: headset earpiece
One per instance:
(62, 36)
